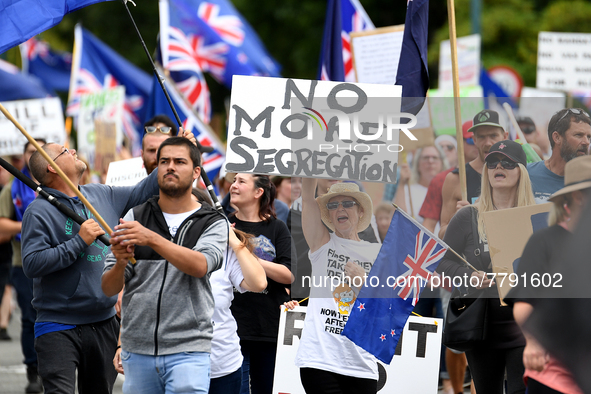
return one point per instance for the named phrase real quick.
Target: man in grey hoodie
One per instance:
(167, 303)
(76, 328)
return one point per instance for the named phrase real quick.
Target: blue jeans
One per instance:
(229, 384)
(24, 296)
(172, 373)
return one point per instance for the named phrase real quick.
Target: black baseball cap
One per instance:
(486, 117)
(526, 124)
(510, 149)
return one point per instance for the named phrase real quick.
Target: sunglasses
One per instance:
(153, 129)
(575, 111)
(448, 147)
(506, 164)
(331, 206)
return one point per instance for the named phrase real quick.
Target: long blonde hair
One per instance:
(524, 196)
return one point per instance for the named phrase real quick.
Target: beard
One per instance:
(567, 153)
(175, 190)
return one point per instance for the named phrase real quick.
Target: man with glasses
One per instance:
(569, 131)
(14, 200)
(76, 329)
(157, 129)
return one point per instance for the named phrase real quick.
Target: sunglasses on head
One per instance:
(506, 164)
(575, 111)
(331, 206)
(153, 129)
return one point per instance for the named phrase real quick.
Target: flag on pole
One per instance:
(18, 86)
(413, 74)
(210, 36)
(51, 67)
(23, 19)
(95, 67)
(157, 104)
(336, 59)
(410, 253)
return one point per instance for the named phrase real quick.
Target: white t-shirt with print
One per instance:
(174, 220)
(322, 346)
(226, 356)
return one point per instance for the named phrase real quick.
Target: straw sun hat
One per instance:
(577, 176)
(351, 190)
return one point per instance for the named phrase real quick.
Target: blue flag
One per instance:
(157, 105)
(342, 18)
(97, 67)
(51, 67)
(413, 74)
(211, 36)
(18, 86)
(23, 19)
(491, 90)
(407, 259)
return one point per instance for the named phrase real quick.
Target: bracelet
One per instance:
(118, 347)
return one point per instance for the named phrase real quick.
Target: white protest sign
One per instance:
(540, 105)
(321, 129)
(468, 62)
(376, 54)
(564, 61)
(105, 105)
(41, 118)
(414, 368)
(126, 172)
(441, 103)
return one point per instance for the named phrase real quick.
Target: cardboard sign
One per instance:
(507, 232)
(376, 54)
(106, 106)
(414, 368)
(335, 130)
(41, 118)
(564, 61)
(441, 103)
(126, 172)
(468, 62)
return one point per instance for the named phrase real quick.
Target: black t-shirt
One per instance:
(473, 181)
(503, 332)
(257, 314)
(544, 248)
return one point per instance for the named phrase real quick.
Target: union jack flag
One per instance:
(410, 254)
(51, 67)
(210, 36)
(336, 59)
(427, 253)
(97, 67)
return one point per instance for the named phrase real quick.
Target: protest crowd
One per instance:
(268, 263)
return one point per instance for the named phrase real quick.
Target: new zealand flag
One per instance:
(407, 259)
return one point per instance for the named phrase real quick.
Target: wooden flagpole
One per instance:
(451, 13)
(59, 172)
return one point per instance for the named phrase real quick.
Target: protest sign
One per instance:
(414, 368)
(468, 62)
(126, 172)
(564, 61)
(105, 105)
(506, 242)
(319, 129)
(507, 78)
(106, 144)
(441, 103)
(540, 105)
(41, 118)
(376, 54)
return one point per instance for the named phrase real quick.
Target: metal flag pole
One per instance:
(204, 176)
(37, 188)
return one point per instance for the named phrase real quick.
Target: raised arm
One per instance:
(315, 232)
(254, 275)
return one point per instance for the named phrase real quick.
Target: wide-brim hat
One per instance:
(346, 189)
(577, 176)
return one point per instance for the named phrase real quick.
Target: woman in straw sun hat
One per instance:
(328, 361)
(543, 250)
